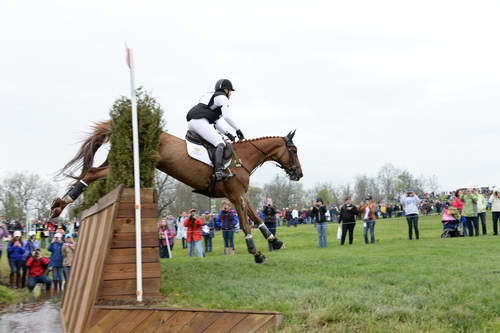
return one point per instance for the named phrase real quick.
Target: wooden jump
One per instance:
(104, 270)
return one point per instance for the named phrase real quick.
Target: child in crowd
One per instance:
(56, 261)
(68, 251)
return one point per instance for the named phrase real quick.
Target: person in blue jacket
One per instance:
(15, 253)
(29, 245)
(56, 261)
(227, 222)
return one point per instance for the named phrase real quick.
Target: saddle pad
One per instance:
(200, 153)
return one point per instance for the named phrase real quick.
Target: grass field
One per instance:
(394, 285)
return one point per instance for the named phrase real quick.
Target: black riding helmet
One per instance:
(223, 84)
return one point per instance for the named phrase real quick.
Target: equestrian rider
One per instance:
(204, 119)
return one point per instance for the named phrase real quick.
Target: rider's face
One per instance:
(228, 92)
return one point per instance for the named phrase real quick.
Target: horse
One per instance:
(175, 162)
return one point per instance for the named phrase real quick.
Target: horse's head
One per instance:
(289, 159)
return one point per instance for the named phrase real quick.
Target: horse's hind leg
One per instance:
(275, 242)
(240, 206)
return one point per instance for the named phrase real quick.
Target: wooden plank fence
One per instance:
(104, 270)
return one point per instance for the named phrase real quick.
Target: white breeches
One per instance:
(206, 130)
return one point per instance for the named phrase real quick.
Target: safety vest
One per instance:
(209, 112)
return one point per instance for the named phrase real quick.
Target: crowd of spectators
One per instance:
(38, 251)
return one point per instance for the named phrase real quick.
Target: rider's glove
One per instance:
(230, 136)
(240, 135)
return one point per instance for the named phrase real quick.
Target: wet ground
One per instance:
(39, 315)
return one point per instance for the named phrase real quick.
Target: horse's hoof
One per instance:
(260, 258)
(55, 213)
(277, 244)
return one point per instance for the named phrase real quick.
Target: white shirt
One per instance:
(410, 204)
(295, 214)
(367, 213)
(223, 102)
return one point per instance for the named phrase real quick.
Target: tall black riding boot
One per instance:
(220, 174)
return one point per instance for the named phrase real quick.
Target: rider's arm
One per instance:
(223, 102)
(220, 127)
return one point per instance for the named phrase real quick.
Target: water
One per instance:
(40, 315)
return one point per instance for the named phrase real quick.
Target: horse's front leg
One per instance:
(240, 206)
(77, 189)
(275, 242)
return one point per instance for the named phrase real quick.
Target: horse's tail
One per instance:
(85, 157)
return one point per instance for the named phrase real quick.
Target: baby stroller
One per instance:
(450, 229)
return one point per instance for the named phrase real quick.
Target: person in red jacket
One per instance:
(193, 224)
(37, 266)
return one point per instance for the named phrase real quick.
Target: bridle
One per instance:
(290, 149)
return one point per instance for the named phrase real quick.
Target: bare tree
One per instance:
(165, 188)
(387, 177)
(17, 193)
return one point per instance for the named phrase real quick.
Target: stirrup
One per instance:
(221, 175)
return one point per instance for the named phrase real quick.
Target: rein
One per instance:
(268, 157)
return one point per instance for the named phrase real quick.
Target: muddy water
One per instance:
(40, 315)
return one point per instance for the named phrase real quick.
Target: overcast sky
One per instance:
(412, 83)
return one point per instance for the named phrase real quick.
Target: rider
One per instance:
(204, 119)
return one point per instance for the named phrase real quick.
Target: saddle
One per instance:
(197, 146)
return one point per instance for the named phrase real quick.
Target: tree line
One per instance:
(22, 193)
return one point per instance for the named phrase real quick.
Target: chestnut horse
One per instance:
(175, 162)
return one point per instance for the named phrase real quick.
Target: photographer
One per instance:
(37, 266)
(318, 214)
(347, 217)
(193, 224)
(270, 218)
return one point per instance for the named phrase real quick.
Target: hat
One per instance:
(58, 235)
(319, 200)
(17, 233)
(369, 197)
(192, 210)
(68, 236)
(31, 233)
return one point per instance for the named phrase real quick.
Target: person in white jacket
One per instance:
(495, 210)
(410, 204)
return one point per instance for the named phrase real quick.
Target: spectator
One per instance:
(495, 210)
(15, 253)
(44, 235)
(37, 264)
(295, 215)
(269, 213)
(56, 261)
(193, 224)
(410, 204)
(459, 205)
(68, 252)
(288, 217)
(3, 233)
(318, 213)
(30, 245)
(470, 199)
(181, 230)
(227, 222)
(368, 211)
(482, 203)
(208, 231)
(163, 239)
(347, 217)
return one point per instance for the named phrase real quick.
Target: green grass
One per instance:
(395, 285)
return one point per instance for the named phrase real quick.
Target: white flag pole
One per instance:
(137, 182)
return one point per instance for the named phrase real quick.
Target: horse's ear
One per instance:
(291, 135)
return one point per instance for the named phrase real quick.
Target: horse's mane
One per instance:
(257, 139)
